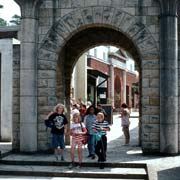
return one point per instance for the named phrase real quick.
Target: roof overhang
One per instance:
(9, 32)
(96, 73)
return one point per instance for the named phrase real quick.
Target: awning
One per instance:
(96, 73)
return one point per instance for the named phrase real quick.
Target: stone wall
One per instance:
(72, 16)
(16, 95)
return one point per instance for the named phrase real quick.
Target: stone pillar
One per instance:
(111, 82)
(28, 77)
(124, 87)
(168, 78)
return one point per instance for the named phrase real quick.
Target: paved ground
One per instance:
(159, 167)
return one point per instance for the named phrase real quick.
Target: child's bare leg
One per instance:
(80, 155)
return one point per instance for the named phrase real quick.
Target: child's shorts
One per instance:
(58, 140)
(77, 143)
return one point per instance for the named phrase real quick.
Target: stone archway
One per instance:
(84, 28)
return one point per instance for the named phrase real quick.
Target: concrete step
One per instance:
(61, 169)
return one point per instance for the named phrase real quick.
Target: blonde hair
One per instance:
(100, 114)
(58, 106)
(77, 115)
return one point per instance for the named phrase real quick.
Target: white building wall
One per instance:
(6, 51)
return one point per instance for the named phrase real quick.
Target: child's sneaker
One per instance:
(62, 158)
(71, 166)
(56, 157)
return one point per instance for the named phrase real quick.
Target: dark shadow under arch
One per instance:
(95, 36)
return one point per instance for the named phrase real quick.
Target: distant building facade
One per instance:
(107, 77)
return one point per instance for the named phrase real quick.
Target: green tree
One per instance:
(16, 20)
(2, 21)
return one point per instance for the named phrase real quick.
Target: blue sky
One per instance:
(10, 8)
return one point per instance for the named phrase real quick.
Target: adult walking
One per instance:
(89, 120)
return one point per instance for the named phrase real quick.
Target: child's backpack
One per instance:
(48, 123)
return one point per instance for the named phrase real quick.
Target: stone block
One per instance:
(77, 3)
(43, 83)
(53, 42)
(150, 110)
(145, 82)
(145, 119)
(150, 128)
(154, 137)
(63, 12)
(98, 14)
(46, 92)
(46, 74)
(129, 10)
(52, 101)
(64, 4)
(154, 101)
(47, 65)
(150, 147)
(77, 18)
(130, 3)
(145, 100)
(45, 109)
(118, 17)
(151, 92)
(52, 83)
(151, 64)
(140, 11)
(47, 55)
(87, 14)
(152, 20)
(118, 3)
(153, 11)
(91, 3)
(126, 22)
(154, 83)
(105, 2)
(154, 119)
(150, 54)
(154, 73)
(108, 14)
(135, 28)
(42, 101)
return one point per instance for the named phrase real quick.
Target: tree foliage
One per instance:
(16, 20)
(3, 22)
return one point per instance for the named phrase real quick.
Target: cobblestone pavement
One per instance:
(159, 167)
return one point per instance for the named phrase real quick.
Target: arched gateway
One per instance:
(55, 34)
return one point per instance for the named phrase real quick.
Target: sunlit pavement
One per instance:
(159, 167)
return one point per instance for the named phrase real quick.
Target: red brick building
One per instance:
(118, 81)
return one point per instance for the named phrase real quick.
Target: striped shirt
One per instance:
(99, 125)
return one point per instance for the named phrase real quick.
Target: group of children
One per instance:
(94, 125)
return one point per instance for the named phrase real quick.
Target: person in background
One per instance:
(125, 124)
(101, 127)
(100, 109)
(58, 129)
(82, 111)
(77, 130)
(89, 120)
